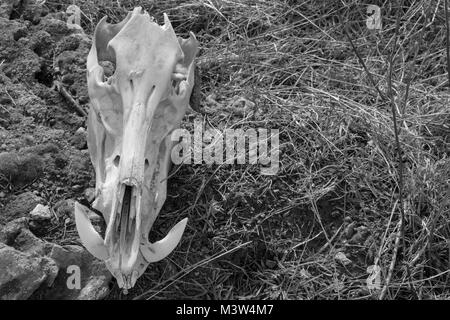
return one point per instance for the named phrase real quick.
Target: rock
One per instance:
(41, 213)
(22, 274)
(17, 234)
(79, 139)
(342, 258)
(40, 218)
(21, 206)
(95, 277)
(54, 261)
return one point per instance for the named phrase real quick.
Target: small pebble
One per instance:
(41, 213)
(342, 258)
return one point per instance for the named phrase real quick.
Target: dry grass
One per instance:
(277, 237)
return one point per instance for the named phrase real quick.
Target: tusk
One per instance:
(88, 235)
(162, 248)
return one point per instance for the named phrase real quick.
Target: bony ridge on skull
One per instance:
(131, 117)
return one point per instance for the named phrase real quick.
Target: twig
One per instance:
(361, 61)
(394, 259)
(400, 234)
(58, 85)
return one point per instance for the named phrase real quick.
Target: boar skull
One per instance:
(131, 117)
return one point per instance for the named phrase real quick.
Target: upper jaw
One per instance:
(120, 124)
(123, 234)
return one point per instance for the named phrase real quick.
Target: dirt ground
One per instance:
(335, 210)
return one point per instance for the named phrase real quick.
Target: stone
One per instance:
(21, 206)
(95, 277)
(41, 213)
(40, 219)
(17, 235)
(22, 274)
(342, 258)
(79, 140)
(53, 260)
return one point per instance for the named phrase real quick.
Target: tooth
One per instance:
(120, 195)
(133, 203)
(162, 248)
(123, 233)
(138, 207)
(119, 279)
(130, 225)
(89, 237)
(118, 207)
(134, 277)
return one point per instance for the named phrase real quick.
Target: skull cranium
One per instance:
(132, 115)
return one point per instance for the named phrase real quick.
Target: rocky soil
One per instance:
(44, 161)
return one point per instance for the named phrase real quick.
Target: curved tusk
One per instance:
(162, 248)
(88, 235)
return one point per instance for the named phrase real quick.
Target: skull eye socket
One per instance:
(109, 68)
(116, 160)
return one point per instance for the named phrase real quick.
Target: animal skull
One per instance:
(132, 115)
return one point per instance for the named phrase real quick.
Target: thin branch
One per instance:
(400, 234)
(58, 85)
(361, 61)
